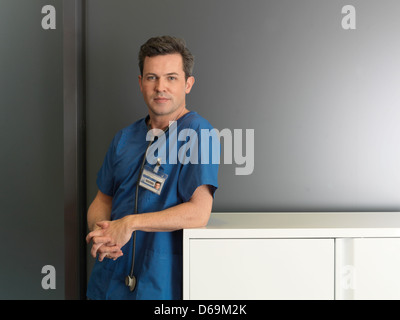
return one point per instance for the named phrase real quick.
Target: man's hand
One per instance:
(108, 238)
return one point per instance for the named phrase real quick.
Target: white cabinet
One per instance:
(368, 268)
(261, 269)
(293, 256)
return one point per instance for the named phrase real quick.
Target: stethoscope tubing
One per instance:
(136, 208)
(130, 280)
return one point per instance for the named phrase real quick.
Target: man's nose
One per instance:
(160, 85)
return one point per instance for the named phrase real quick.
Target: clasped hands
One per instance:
(108, 237)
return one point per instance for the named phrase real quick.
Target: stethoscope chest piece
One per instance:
(130, 282)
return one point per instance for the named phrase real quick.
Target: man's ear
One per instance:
(189, 84)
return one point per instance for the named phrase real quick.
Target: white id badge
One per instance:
(152, 180)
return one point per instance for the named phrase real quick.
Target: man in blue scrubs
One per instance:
(177, 181)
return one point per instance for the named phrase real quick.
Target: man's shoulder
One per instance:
(195, 121)
(132, 129)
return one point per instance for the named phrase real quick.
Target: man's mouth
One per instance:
(161, 99)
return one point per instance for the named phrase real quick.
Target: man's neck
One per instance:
(162, 122)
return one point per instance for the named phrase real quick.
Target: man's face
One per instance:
(163, 84)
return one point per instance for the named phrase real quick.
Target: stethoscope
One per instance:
(130, 280)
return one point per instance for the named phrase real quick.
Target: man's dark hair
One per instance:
(167, 45)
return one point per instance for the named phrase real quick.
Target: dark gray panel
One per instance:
(74, 150)
(31, 141)
(323, 101)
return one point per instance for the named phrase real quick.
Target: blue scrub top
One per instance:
(189, 156)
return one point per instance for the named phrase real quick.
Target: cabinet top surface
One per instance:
(271, 220)
(302, 224)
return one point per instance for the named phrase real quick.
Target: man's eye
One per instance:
(151, 78)
(171, 78)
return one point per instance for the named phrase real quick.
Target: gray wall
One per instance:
(31, 142)
(323, 101)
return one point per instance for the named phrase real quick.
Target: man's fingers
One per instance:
(95, 233)
(110, 253)
(103, 246)
(98, 232)
(109, 249)
(113, 256)
(102, 256)
(95, 248)
(100, 239)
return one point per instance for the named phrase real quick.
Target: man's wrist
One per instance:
(130, 221)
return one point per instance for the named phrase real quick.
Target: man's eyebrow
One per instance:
(167, 74)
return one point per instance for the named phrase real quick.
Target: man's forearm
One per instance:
(182, 216)
(99, 210)
(192, 214)
(96, 214)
